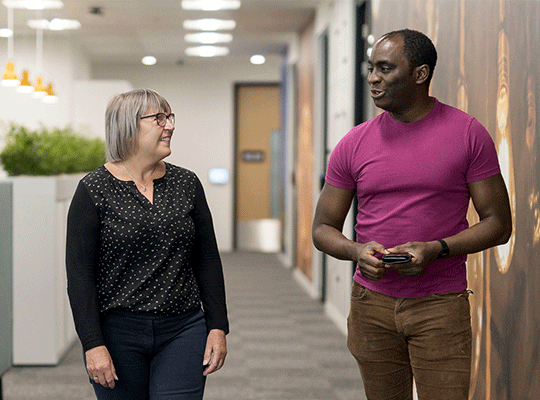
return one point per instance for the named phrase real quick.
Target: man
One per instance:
(413, 169)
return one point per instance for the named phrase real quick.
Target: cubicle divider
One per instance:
(6, 278)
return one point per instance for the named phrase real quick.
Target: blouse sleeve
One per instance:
(207, 265)
(82, 251)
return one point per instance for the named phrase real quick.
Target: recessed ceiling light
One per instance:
(149, 60)
(208, 37)
(257, 59)
(211, 5)
(207, 51)
(209, 24)
(56, 24)
(34, 4)
(5, 32)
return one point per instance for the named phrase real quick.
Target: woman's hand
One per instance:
(100, 366)
(216, 351)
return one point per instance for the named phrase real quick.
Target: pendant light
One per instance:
(50, 97)
(10, 77)
(25, 86)
(39, 90)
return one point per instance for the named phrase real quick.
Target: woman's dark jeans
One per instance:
(156, 357)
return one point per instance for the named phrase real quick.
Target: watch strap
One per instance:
(445, 250)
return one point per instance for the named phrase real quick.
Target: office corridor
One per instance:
(281, 346)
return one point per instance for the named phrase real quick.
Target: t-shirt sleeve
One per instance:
(338, 173)
(483, 161)
(82, 250)
(207, 264)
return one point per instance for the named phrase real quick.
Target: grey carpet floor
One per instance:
(281, 346)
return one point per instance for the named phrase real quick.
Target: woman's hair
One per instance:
(122, 120)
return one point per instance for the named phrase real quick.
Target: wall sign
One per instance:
(253, 156)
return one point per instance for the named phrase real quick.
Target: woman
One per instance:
(141, 260)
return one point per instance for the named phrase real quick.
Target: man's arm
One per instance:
(332, 209)
(490, 200)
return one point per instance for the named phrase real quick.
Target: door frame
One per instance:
(237, 86)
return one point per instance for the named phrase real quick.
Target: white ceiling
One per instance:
(127, 30)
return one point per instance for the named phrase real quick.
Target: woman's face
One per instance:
(154, 141)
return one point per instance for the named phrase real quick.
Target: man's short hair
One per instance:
(418, 49)
(122, 120)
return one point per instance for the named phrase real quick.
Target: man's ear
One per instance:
(422, 73)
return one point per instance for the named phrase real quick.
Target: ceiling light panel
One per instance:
(207, 51)
(209, 24)
(208, 37)
(5, 32)
(38, 23)
(211, 5)
(57, 24)
(34, 4)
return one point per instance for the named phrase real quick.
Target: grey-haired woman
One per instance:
(145, 279)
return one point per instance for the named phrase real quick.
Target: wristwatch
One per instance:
(445, 250)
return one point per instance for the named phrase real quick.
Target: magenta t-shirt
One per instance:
(411, 183)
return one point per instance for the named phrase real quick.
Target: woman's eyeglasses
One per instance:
(161, 118)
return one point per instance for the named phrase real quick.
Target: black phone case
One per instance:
(396, 258)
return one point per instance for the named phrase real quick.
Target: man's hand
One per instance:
(370, 266)
(216, 351)
(421, 252)
(100, 367)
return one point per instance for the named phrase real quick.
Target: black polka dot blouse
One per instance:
(125, 253)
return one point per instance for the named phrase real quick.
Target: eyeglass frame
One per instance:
(167, 117)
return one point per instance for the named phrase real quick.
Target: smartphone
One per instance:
(396, 258)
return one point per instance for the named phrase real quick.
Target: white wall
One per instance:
(90, 99)
(203, 100)
(342, 36)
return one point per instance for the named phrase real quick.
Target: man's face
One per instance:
(391, 76)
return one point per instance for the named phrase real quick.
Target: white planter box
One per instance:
(42, 323)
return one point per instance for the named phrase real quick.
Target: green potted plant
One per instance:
(45, 152)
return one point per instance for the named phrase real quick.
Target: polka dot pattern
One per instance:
(145, 249)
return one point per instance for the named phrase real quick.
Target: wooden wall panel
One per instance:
(489, 66)
(304, 167)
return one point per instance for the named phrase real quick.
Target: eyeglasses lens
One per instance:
(162, 119)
